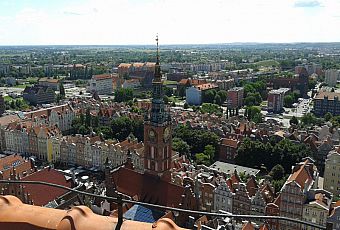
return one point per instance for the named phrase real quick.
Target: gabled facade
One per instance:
(223, 198)
(241, 201)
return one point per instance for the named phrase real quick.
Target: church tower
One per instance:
(157, 129)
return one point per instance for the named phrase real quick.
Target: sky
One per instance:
(125, 22)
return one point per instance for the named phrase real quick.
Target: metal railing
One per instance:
(119, 201)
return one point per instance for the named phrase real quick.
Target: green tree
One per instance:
(328, 116)
(165, 99)
(121, 128)
(201, 158)
(185, 106)
(196, 139)
(277, 184)
(209, 96)
(211, 108)
(223, 95)
(168, 91)
(257, 118)
(250, 100)
(310, 119)
(285, 152)
(277, 172)
(181, 92)
(88, 118)
(123, 95)
(95, 121)
(106, 131)
(209, 150)
(181, 146)
(293, 121)
(62, 90)
(288, 101)
(83, 130)
(82, 118)
(218, 100)
(253, 112)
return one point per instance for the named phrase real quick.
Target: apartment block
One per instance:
(331, 77)
(235, 98)
(102, 84)
(275, 99)
(332, 173)
(325, 102)
(39, 94)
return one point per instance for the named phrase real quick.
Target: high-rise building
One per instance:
(235, 98)
(275, 99)
(157, 129)
(331, 77)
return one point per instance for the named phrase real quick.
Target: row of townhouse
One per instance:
(93, 151)
(300, 197)
(213, 191)
(25, 139)
(60, 116)
(47, 144)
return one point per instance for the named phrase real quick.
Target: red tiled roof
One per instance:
(6, 120)
(8, 161)
(264, 227)
(230, 142)
(124, 65)
(248, 226)
(102, 77)
(138, 64)
(251, 186)
(42, 194)
(301, 176)
(16, 215)
(147, 187)
(206, 86)
(14, 161)
(184, 81)
(50, 80)
(47, 112)
(330, 95)
(337, 204)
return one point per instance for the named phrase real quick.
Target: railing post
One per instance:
(120, 211)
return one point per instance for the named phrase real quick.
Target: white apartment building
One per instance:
(332, 173)
(331, 77)
(102, 84)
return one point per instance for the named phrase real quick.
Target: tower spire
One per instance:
(157, 49)
(158, 75)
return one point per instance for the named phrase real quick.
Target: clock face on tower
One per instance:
(166, 134)
(152, 135)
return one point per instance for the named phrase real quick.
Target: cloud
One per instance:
(101, 22)
(307, 4)
(69, 13)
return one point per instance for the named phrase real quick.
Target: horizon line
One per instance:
(176, 44)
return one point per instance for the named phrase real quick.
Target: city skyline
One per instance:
(132, 22)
